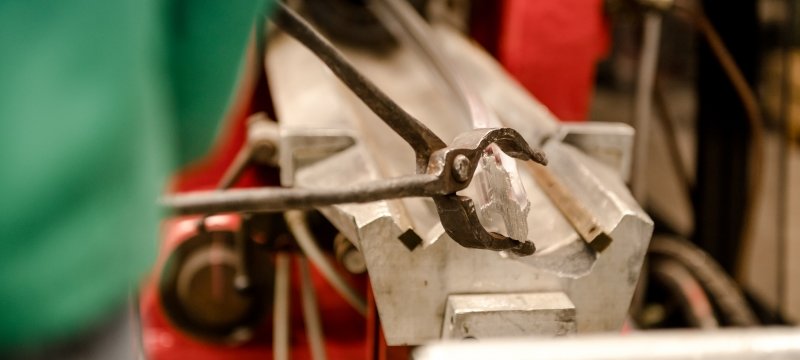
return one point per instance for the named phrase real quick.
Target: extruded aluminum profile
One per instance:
(411, 287)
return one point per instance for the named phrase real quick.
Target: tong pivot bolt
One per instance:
(461, 167)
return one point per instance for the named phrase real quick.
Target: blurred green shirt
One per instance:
(99, 100)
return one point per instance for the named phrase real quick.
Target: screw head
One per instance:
(461, 167)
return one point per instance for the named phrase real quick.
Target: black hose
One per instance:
(725, 293)
(687, 289)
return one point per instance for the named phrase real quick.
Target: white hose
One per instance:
(316, 339)
(296, 220)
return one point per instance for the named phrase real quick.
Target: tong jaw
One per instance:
(457, 213)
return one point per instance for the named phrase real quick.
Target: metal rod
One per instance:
(241, 279)
(296, 220)
(584, 223)
(316, 339)
(274, 199)
(762, 343)
(648, 61)
(420, 137)
(280, 314)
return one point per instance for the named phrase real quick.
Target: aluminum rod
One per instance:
(724, 344)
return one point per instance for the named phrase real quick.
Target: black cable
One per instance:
(686, 288)
(755, 118)
(723, 290)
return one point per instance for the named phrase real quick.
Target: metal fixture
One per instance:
(411, 288)
(484, 316)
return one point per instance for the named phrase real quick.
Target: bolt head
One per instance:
(461, 167)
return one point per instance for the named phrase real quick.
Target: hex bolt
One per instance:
(461, 167)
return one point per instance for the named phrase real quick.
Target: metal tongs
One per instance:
(441, 170)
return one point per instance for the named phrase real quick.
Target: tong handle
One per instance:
(415, 133)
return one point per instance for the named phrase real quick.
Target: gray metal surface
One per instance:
(485, 316)
(411, 284)
(422, 140)
(730, 344)
(608, 143)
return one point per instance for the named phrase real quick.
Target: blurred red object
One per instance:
(550, 46)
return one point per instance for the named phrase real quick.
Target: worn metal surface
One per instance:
(484, 316)
(730, 344)
(412, 283)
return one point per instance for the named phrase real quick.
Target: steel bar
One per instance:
(584, 223)
(415, 133)
(296, 221)
(316, 339)
(275, 199)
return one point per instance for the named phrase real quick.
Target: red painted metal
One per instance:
(550, 46)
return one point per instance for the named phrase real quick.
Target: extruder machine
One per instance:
(388, 185)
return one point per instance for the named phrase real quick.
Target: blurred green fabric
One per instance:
(99, 101)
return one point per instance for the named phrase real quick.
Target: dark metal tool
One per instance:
(441, 170)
